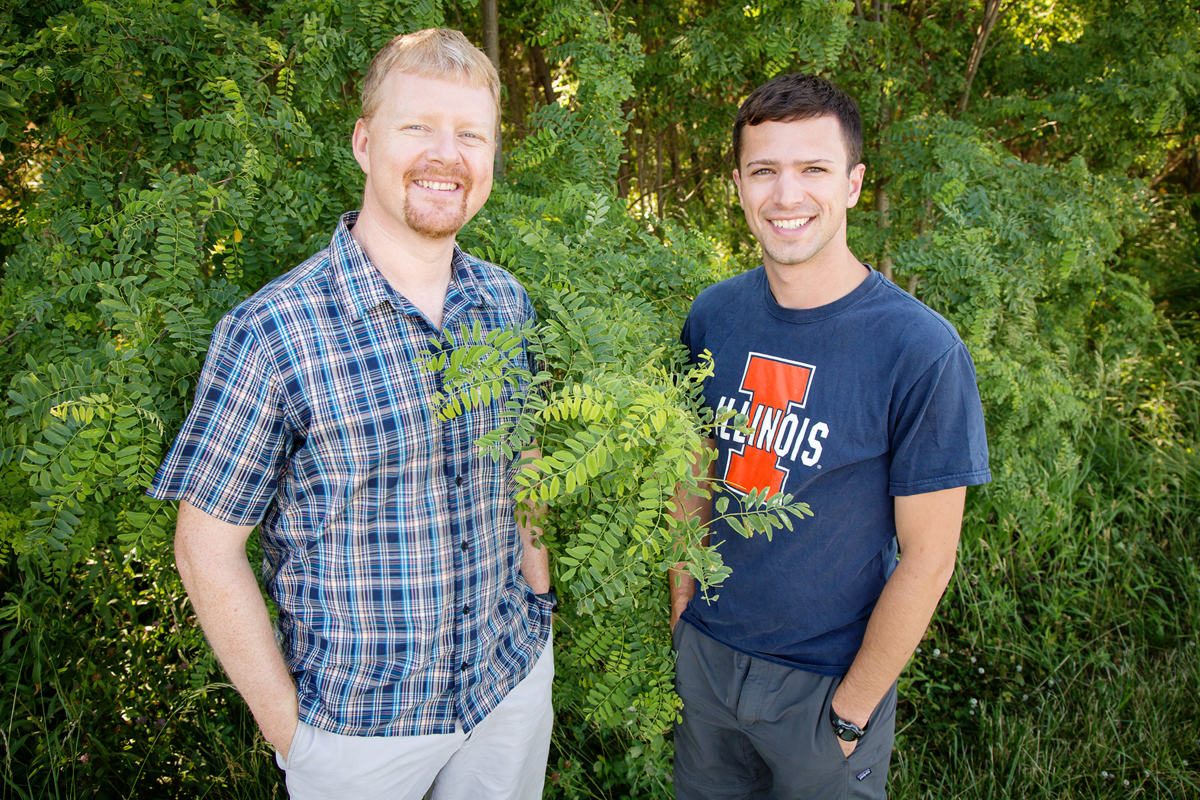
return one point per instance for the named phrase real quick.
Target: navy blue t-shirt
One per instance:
(852, 403)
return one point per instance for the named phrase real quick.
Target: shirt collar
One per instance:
(361, 287)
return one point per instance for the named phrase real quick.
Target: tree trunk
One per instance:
(883, 207)
(542, 70)
(658, 181)
(624, 168)
(673, 155)
(699, 172)
(639, 166)
(491, 45)
(1173, 161)
(992, 9)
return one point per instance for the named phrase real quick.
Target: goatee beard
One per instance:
(437, 223)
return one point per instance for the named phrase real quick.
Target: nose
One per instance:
(444, 148)
(789, 189)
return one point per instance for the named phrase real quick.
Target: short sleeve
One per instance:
(685, 339)
(937, 430)
(233, 447)
(528, 315)
(528, 312)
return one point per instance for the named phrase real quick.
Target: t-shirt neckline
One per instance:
(842, 304)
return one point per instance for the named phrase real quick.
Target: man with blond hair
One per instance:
(411, 652)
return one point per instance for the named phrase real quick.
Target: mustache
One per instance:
(457, 174)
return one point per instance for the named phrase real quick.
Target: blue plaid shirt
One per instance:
(389, 541)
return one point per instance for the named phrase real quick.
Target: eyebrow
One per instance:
(771, 162)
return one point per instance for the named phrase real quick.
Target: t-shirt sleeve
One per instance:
(233, 447)
(938, 436)
(685, 339)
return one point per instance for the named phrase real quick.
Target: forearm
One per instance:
(234, 617)
(683, 586)
(690, 506)
(224, 592)
(927, 529)
(535, 558)
(900, 618)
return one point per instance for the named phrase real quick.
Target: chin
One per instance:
(786, 259)
(435, 224)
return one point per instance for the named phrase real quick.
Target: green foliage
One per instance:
(616, 422)
(163, 161)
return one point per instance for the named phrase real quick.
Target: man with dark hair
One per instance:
(413, 650)
(862, 402)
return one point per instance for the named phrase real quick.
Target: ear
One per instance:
(856, 182)
(358, 142)
(737, 181)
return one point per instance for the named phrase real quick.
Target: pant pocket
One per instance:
(881, 727)
(302, 741)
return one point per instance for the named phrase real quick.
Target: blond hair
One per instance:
(431, 53)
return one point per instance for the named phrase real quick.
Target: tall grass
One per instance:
(109, 691)
(1065, 660)
(1123, 723)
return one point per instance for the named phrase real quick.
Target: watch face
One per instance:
(846, 731)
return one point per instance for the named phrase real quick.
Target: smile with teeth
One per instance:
(790, 224)
(437, 186)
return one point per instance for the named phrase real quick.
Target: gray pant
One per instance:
(757, 730)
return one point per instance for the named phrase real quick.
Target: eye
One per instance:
(762, 171)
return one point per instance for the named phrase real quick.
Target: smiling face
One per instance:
(427, 152)
(795, 185)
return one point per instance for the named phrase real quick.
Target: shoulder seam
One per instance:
(945, 323)
(956, 343)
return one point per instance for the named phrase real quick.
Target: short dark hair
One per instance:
(797, 96)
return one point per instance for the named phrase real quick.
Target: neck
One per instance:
(417, 267)
(814, 284)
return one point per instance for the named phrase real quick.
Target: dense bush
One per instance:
(162, 161)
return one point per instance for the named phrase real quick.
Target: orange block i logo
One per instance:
(773, 389)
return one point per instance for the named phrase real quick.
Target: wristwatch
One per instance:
(846, 731)
(550, 597)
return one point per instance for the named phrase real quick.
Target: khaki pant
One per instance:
(503, 758)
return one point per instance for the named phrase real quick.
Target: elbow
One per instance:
(928, 570)
(184, 563)
(945, 572)
(941, 570)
